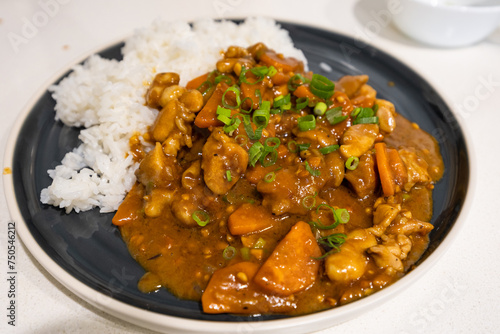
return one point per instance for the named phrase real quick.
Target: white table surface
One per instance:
(458, 295)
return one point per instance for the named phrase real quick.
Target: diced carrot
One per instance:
(208, 115)
(398, 168)
(229, 289)
(287, 64)
(384, 170)
(196, 82)
(249, 218)
(304, 91)
(129, 209)
(280, 78)
(291, 267)
(257, 253)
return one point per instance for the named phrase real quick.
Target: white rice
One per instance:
(106, 97)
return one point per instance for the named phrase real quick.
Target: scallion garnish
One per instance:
(320, 108)
(229, 252)
(309, 201)
(334, 241)
(301, 103)
(223, 78)
(321, 86)
(205, 87)
(306, 123)
(236, 92)
(364, 116)
(312, 171)
(260, 243)
(334, 115)
(352, 163)
(269, 158)
(229, 178)
(329, 149)
(201, 217)
(269, 177)
(254, 153)
(303, 146)
(296, 81)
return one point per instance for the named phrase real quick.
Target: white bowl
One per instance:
(447, 23)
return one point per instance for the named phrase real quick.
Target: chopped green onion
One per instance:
(243, 103)
(223, 78)
(342, 216)
(261, 117)
(320, 108)
(241, 139)
(236, 92)
(249, 130)
(321, 86)
(313, 172)
(366, 120)
(309, 201)
(334, 115)
(292, 146)
(254, 153)
(269, 158)
(295, 82)
(303, 146)
(352, 163)
(233, 125)
(243, 76)
(334, 241)
(329, 149)
(307, 123)
(201, 217)
(204, 91)
(375, 108)
(283, 102)
(274, 141)
(301, 103)
(355, 112)
(259, 95)
(245, 253)
(229, 252)
(228, 176)
(223, 115)
(272, 71)
(269, 177)
(260, 71)
(260, 243)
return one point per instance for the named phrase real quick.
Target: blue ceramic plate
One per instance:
(86, 253)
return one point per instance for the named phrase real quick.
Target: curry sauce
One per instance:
(253, 206)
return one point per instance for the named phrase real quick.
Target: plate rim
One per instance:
(159, 321)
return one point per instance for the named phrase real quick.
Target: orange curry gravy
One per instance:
(210, 221)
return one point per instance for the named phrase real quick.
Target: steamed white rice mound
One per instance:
(106, 97)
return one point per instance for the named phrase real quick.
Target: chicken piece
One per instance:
(157, 200)
(416, 168)
(222, 156)
(157, 170)
(358, 139)
(350, 84)
(364, 178)
(382, 217)
(320, 136)
(386, 114)
(364, 97)
(160, 82)
(335, 169)
(391, 253)
(350, 263)
(406, 224)
(185, 203)
(192, 175)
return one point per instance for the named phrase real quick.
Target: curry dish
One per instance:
(263, 188)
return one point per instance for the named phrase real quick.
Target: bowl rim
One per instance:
(161, 322)
(463, 8)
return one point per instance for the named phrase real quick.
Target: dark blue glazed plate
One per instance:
(86, 253)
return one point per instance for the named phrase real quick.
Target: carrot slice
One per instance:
(400, 175)
(304, 91)
(384, 169)
(208, 115)
(287, 64)
(129, 209)
(249, 218)
(196, 82)
(291, 267)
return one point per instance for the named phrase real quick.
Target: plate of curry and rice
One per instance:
(228, 175)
